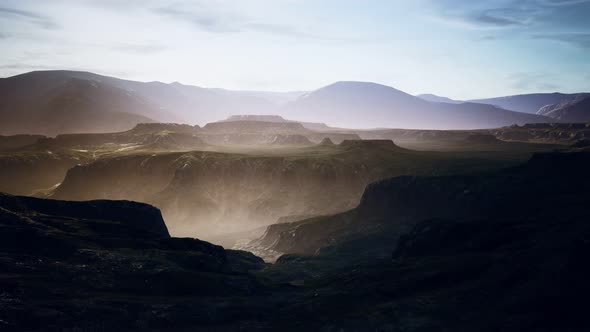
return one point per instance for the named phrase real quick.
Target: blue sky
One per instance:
(455, 48)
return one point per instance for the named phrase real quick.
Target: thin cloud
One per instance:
(563, 2)
(581, 40)
(31, 17)
(511, 14)
(225, 22)
(203, 20)
(502, 17)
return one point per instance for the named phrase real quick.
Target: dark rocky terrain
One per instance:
(505, 249)
(400, 202)
(502, 251)
(111, 265)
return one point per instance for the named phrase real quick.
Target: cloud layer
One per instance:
(28, 16)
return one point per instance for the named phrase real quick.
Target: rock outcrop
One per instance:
(327, 141)
(75, 257)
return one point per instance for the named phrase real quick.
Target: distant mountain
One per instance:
(51, 105)
(95, 103)
(438, 99)
(529, 103)
(57, 102)
(278, 98)
(575, 110)
(371, 105)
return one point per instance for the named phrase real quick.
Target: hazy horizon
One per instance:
(297, 91)
(448, 48)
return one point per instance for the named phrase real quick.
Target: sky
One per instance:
(454, 48)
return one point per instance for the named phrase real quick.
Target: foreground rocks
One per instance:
(111, 265)
(500, 251)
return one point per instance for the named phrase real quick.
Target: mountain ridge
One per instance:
(371, 105)
(529, 102)
(351, 104)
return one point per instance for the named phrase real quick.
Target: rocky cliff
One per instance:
(101, 265)
(395, 205)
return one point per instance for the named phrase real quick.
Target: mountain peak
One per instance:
(358, 85)
(358, 90)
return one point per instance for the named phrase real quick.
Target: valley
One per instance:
(506, 243)
(234, 176)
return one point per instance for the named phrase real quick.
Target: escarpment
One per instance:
(395, 205)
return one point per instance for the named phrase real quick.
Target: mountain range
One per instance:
(371, 105)
(576, 109)
(56, 102)
(531, 103)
